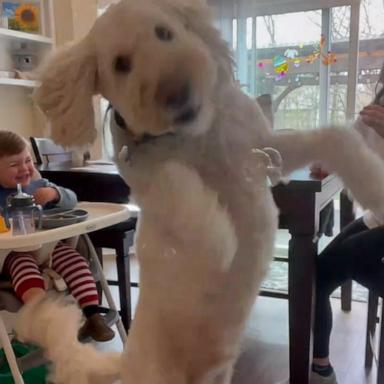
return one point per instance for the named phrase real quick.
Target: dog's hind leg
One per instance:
(341, 151)
(53, 323)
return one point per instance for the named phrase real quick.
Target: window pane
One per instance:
(287, 66)
(371, 55)
(340, 34)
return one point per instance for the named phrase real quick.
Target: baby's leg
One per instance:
(26, 277)
(73, 268)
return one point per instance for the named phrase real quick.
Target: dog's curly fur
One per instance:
(53, 322)
(191, 144)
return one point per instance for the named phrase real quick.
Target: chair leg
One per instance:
(99, 252)
(346, 296)
(105, 286)
(346, 216)
(371, 327)
(380, 365)
(10, 355)
(124, 279)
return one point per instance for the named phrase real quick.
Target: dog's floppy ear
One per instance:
(198, 17)
(67, 85)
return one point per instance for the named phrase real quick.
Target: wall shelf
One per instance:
(19, 82)
(16, 36)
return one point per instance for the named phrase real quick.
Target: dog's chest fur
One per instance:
(223, 159)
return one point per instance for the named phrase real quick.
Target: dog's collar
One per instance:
(144, 138)
(119, 119)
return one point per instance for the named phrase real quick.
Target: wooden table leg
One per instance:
(346, 296)
(346, 216)
(302, 263)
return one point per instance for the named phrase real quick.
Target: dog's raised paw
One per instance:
(124, 154)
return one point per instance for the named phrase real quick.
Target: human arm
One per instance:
(50, 195)
(373, 116)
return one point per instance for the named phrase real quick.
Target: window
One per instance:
(371, 50)
(288, 68)
(304, 54)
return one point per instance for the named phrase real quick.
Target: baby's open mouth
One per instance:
(21, 179)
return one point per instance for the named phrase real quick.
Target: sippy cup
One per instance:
(3, 226)
(22, 209)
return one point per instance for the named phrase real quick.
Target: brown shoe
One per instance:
(96, 328)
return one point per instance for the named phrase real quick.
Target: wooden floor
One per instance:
(264, 356)
(264, 359)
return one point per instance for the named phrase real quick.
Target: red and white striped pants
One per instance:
(66, 261)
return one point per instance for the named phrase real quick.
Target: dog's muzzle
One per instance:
(123, 125)
(179, 102)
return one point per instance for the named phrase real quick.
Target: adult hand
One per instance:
(46, 195)
(373, 116)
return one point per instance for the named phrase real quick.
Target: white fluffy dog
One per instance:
(192, 148)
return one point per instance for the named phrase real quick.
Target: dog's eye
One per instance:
(123, 64)
(163, 33)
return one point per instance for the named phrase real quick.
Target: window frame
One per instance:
(243, 9)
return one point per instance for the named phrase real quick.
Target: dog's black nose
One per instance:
(174, 96)
(179, 98)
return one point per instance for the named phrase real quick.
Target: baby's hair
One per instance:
(11, 143)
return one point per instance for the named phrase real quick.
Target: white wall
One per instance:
(73, 20)
(16, 112)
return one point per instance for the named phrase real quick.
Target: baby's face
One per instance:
(16, 169)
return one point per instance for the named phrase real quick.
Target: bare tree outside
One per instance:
(270, 26)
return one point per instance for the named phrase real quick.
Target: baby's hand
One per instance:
(373, 116)
(46, 195)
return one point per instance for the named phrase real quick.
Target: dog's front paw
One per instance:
(124, 154)
(271, 160)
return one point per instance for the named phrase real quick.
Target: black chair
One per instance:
(46, 151)
(119, 237)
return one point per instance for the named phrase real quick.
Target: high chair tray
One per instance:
(100, 215)
(55, 218)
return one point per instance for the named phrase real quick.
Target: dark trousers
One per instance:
(356, 253)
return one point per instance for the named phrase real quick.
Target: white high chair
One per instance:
(101, 215)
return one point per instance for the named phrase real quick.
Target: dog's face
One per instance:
(154, 70)
(156, 61)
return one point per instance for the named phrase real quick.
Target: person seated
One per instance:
(16, 167)
(356, 253)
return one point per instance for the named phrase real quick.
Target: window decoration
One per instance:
(281, 63)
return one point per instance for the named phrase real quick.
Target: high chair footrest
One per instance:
(31, 360)
(111, 317)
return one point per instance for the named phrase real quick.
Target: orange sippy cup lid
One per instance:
(3, 227)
